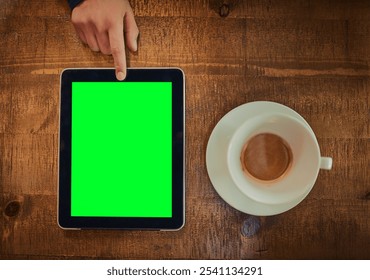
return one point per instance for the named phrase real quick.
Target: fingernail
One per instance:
(120, 76)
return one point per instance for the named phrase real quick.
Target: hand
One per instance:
(102, 25)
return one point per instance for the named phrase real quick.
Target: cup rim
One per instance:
(256, 189)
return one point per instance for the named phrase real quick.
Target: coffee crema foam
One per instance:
(266, 157)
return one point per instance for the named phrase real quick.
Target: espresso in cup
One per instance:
(266, 157)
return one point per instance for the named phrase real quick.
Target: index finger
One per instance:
(117, 46)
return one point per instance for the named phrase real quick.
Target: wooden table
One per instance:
(312, 56)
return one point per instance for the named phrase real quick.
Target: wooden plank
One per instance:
(47, 8)
(29, 164)
(316, 9)
(303, 48)
(256, 9)
(320, 230)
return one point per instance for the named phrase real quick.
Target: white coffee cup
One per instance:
(306, 161)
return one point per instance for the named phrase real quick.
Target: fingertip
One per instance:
(121, 75)
(136, 44)
(133, 43)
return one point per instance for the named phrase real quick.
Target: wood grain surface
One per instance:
(312, 56)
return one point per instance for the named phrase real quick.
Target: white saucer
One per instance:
(216, 158)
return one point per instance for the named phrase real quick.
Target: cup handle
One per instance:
(326, 163)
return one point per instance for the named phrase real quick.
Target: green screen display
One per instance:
(121, 149)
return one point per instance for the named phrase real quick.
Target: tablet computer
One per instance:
(121, 149)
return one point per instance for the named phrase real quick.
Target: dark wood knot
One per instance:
(251, 226)
(12, 208)
(367, 196)
(224, 10)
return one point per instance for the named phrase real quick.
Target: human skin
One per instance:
(107, 26)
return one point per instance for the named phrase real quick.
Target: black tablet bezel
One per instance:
(173, 75)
